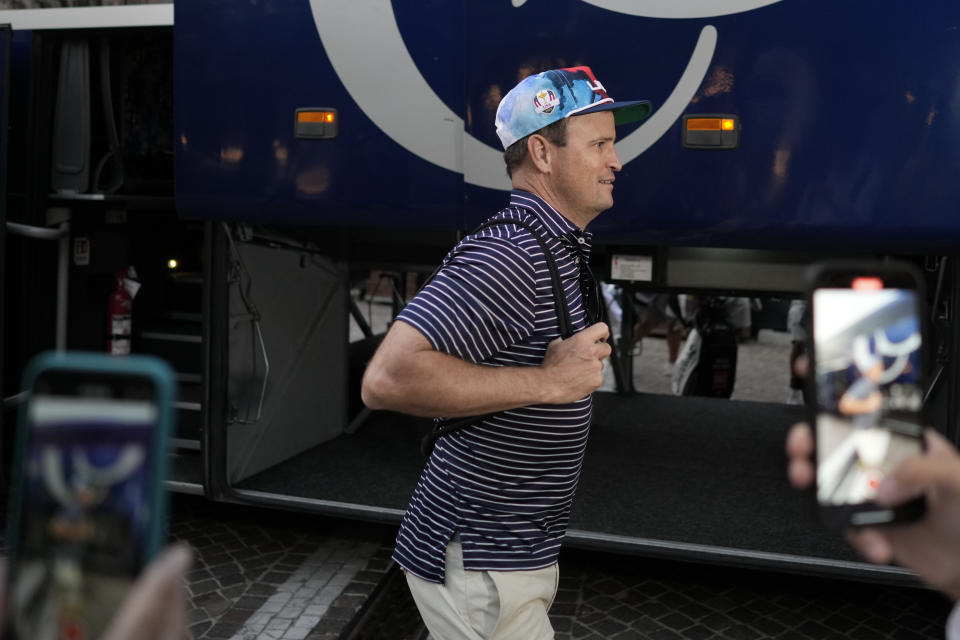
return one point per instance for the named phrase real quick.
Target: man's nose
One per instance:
(614, 159)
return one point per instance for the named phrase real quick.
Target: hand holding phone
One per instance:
(867, 385)
(88, 508)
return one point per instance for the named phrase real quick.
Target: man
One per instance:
(482, 532)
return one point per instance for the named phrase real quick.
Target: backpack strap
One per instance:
(563, 311)
(442, 427)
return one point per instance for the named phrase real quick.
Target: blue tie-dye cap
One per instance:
(544, 98)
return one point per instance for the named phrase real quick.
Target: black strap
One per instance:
(563, 311)
(442, 427)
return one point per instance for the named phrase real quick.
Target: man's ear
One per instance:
(540, 152)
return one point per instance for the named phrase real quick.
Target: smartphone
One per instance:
(88, 503)
(867, 385)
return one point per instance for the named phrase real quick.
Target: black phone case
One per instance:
(839, 273)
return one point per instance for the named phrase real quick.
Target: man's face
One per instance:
(583, 174)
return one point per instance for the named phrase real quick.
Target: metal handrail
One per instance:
(62, 234)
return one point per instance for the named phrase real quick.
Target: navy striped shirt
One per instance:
(505, 485)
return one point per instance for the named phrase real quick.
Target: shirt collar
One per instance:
(552, 219)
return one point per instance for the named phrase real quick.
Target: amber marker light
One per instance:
(710, 124)
(703, 124)
(710, 131)
(327, 117)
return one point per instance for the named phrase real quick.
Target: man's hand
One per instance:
(931, 546)
(574, 367)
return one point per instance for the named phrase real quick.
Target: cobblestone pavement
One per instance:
(605, 596)
(271, 575)
(610, 597)
(262, 574)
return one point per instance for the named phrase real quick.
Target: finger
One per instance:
(602, 349)
(3, 592)
(916, 475)
(155, 600)
(801, 366)
(598, 331)
(872, 544)
(800, 441)
(937, 445)
(800, 473)
(176, 623)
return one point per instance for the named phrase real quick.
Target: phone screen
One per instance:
(85, 509)
(867, 349)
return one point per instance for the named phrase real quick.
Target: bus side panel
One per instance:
(241, 72)
(847, 141)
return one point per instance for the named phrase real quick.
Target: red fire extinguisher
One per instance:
(119, 320)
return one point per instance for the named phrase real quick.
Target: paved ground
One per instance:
(271, 575)
(632, 598)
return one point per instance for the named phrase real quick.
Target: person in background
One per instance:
(656, 312)
(797, 327)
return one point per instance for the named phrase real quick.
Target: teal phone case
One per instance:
(164, 381)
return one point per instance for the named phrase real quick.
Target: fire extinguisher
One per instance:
(119, 319)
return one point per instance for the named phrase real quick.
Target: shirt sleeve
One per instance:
(480, 303)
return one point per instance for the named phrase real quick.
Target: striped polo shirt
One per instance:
(505, 485)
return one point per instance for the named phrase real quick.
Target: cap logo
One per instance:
(545, 102)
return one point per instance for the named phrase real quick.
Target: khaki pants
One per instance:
(486, 605)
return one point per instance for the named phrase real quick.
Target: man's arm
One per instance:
(407, 375)
(850, 405)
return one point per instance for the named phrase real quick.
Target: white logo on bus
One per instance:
(348, 26)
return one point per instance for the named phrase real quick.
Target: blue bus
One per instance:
(255, 163)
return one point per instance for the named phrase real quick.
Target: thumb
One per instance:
(937, 445)
(155, 606)
(937, 468)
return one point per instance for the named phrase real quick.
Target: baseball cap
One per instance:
(544, 98)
